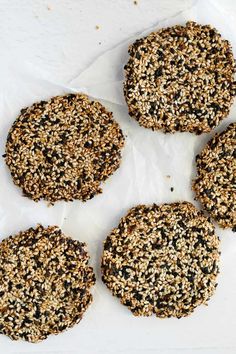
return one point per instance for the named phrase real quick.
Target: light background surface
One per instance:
(46, 47)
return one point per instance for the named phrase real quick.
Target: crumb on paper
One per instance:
(135, 2)
(49, 8)
(172, 189)
(168, 176)
(99, 43)
(97, 27)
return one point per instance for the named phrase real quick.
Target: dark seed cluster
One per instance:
(63, 149)
(215, 185)
(162, 260)
(180, 78)
(45, 283)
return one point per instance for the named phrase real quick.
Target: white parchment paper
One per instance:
(152, 164)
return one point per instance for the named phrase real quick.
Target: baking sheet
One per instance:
(148, 159)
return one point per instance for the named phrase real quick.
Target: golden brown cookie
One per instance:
(215, 185)
(162, 260)
(64, 148)
(180, 78)
(45, 283)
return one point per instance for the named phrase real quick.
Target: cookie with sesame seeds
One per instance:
(64, 148)
(45, 283)
(181, 79)
(215, 184)
(162, 260)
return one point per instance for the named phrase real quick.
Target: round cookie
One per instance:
(162, 260)
(180, 78)
(45, 283)
(63, 149)
(215, 185)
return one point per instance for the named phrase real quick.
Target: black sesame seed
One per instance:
(88, 144)
(158, 72)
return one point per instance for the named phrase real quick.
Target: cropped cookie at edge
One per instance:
(64, 148)
(45, 283)
(181, 79)
(215, 184)
(162, 260)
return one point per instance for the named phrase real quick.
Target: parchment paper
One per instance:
(152, 163)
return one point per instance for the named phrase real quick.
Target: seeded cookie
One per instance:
(45, 283)
(162, 260)
(63, 149)
(180, 78)
(215, 185)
